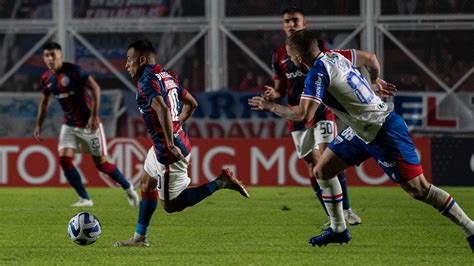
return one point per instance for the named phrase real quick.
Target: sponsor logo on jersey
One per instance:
(170, 84)
(284, 60)
(293, 75)
(387, 164)
(64, 95)
(318, 86)
(163, 75)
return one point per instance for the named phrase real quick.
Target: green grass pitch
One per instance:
(270, 228)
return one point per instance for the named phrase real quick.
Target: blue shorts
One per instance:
(392, 149)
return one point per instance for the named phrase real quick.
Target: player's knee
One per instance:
(170, 207)
(65, 162)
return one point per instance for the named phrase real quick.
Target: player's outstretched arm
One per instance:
(164, 116)
(304, 111)
(93, 122)
(42, 110)
(190, 104)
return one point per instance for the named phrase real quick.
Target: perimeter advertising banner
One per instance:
(266, 162)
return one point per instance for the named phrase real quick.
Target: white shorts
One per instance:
(307, 140)
(83, 140)
(170, 183)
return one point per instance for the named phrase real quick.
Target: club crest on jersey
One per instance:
(65, 81)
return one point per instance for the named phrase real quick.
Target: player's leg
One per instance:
(147, 207)
(420, 189)
(311, 159)
(307, 148)
(396, 154)
(67, 146)
(325, 133)
(175, 202)
(95, 143)
(114, 173)
(345, 150)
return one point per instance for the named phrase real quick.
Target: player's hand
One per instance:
(177, 153)
(270, 93)
(383, 88)
(92, 123)
(37, 133)
(260, 103)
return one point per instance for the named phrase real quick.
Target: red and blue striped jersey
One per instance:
(293, 80)
(68, 86)
(158, 82)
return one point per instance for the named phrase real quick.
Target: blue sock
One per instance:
(147, 208)
(192, 196)
(112, 171)
(72, 175)
(319, 195)
(345, 196)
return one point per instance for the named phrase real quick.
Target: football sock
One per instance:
(345, 196)
(192, 196)
(332, 197)
(114, 173)
(317, 191)
(448, 207)
(72, 176)
(147, 208)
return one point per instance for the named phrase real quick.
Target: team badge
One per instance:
(65, 81)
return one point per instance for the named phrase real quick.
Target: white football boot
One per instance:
(132, 196)
(351, 217)
(83, 203)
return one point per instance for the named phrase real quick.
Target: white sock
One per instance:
(332, 196)
(448, 207)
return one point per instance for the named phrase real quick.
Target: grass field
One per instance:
(270, 228)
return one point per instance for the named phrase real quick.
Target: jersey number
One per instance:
(173, 103)
(326, 128)
(360, 87)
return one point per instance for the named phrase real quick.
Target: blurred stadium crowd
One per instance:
(442, 51)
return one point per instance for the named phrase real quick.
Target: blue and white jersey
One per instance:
(336, 82)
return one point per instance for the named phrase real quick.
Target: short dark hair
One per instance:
(52, 46)
(302, 41)
(292, 10)
(143, 47)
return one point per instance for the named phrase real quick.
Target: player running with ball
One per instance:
(165, 105)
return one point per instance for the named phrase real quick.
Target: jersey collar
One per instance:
(321, 54)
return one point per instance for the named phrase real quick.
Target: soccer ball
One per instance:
(84, 228)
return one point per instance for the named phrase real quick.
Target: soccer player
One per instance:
(375, 131)
(165, 105)
(81, 129)
(289, 81)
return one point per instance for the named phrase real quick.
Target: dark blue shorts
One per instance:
(392, 149)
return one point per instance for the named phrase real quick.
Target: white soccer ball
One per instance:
(84, 228)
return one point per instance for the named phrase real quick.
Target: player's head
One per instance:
(293, 20)
(302, 47)
(52, 55)
(139, 54)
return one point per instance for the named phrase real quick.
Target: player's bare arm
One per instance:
(190, 104)
(370, 61)
(164, 116)
(93, 122)
(303, 112)
(42, 110)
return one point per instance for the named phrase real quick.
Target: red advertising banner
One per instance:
(257, 162)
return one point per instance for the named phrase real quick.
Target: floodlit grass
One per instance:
(270, 228)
